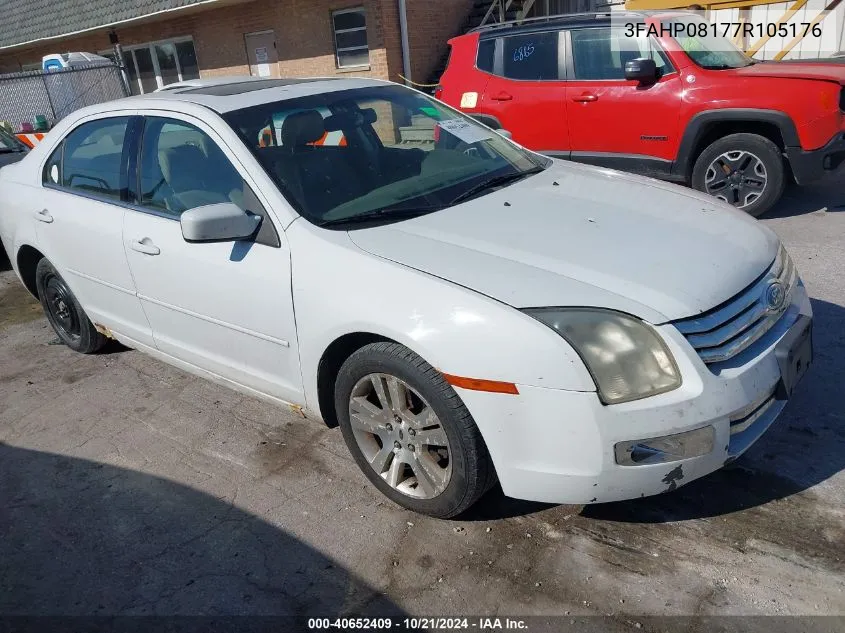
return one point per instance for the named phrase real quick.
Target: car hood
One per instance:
(796, 70)
(581, 236)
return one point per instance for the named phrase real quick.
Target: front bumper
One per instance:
(559, 446)
(812, 165)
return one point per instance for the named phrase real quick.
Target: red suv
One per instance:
(618, 90)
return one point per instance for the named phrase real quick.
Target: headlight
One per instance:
(626, 357)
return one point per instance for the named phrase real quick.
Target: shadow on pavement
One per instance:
(83, 538)
(804, 447)
(495, 505)
(827, 194)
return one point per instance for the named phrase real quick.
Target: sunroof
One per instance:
(226, 90)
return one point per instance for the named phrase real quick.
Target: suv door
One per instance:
(525, 94)
(225, 307)
(613, 121)
(80, 223)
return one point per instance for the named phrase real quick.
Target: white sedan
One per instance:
(464, 309)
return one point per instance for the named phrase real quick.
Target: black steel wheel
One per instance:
(64, 312)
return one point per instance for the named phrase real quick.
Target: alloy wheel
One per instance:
(400, 436)
(737, 177)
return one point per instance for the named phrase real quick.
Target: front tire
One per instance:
(745, 170)
(409, 432)
(64, 312)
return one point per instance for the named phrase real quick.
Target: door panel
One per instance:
(262, 55)
(525, 92)
(80, 224)
(607, 113)
(225, 307)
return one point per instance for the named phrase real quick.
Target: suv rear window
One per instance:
(531, 56)
(486, 55)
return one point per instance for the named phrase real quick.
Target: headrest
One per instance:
(179, 160)
(347, 120)
(301, 128)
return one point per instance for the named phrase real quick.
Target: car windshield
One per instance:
(377, 154)
(8, 143)
(704, 47)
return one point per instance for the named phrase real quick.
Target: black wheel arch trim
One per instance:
(698, 124)
(486, 119)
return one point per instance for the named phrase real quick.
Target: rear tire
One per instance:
(64, 312)
(425, 452)
(745, 170)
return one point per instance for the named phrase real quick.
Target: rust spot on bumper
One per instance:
(102, 329)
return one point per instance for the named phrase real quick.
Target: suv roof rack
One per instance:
(557, 19)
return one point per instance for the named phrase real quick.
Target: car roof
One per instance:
(224, 94)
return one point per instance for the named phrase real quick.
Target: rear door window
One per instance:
(89, 160)
(486, 55)
(531, 56)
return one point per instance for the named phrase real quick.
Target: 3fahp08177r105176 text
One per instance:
(723, 29)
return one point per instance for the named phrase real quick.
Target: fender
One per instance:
(486, 119)
(698, 125)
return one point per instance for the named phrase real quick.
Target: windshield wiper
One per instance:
(494, 182)
(390, 213)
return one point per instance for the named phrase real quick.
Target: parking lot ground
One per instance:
(129, 487)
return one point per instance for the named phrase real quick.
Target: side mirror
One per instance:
(642, 70)
(223, 222)
(505, 133)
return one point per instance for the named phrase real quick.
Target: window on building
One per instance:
(157, 64)
(350, 37)
(531, 57)
(89, 159)
(601, 53)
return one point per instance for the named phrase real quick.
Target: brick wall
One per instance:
(430, 24)
(303, 28)
(304, 36)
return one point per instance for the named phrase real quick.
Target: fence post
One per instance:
(49, 98)
(121, 64)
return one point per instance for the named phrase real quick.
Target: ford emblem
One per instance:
(775, 296)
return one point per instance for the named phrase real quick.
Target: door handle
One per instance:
(502, 96)
(145, 246)
(587, 97)
(43, 216)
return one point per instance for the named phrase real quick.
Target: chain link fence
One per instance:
(55, 94)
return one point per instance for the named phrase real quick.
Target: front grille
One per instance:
(723, 332)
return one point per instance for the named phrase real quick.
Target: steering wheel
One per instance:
(470, 149)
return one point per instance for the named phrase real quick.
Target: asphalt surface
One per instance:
(129, 487)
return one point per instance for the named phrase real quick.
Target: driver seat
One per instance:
(318, 177)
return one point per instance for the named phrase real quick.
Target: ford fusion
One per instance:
(465, 310)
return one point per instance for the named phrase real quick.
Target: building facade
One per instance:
(165, 41)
